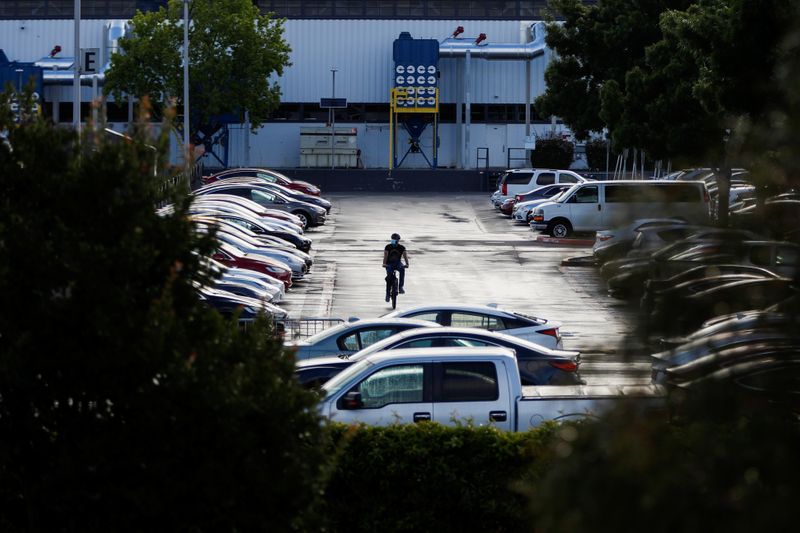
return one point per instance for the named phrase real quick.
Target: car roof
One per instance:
(416, 353)
(474, 332)
(453, 307)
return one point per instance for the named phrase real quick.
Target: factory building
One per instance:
(476, 112)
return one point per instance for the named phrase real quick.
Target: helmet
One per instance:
(396, 236)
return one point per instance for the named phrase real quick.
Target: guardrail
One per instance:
(300, 328)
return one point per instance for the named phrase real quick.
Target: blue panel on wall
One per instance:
(416, 68)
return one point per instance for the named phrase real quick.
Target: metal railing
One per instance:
(300, 328)
(511, 160)
(482, 154)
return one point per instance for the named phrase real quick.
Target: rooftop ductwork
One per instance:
(60, 70)
(457, 48)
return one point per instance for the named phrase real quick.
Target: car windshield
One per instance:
(563, 196)
(335, 384)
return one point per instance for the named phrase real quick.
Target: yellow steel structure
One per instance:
(420, 105)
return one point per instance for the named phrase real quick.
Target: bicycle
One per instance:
(393, 284)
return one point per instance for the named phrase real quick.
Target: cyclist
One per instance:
(392, 255)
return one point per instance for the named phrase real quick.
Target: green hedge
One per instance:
(427, 477)
(597, 156)
(552, 152)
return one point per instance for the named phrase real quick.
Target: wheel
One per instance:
(559, 229)
(394, 300)
(304, 218)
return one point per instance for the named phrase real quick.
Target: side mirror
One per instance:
(351, 400)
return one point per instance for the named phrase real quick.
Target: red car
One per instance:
(508, 206)
(266, 175)
(232, 257)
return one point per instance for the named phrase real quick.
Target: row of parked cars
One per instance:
(719, 304)
(259, 218)
(536, 341)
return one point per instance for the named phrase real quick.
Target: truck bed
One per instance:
(573, 402)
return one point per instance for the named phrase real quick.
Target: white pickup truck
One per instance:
(477, 384)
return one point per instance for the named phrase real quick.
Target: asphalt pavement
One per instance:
(462, 250)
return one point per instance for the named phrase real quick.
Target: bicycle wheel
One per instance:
(394, 292)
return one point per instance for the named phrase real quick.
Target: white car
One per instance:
(523, 209)
(539, 330)
(351, 337)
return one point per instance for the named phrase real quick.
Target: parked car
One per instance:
(780, 257)
(711, 296)
(274, 292)
(773, 374)
(523, 211)
(537, 365)
(614, 243)
(350, 337)
(654, 288)
(296, 265)
(262, 228)
(520, 180)
(535, 329)
(547, 191)
(273, 243)
(597, 205)
(249, 207)
(267, 176)
(231, 256)
(309, 214)
(246, 275)
(705, 355)
(722, 296)
(290, 193)
(229, 304)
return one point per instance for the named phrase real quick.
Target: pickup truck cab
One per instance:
(475, 385)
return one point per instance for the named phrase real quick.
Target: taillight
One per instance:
(605, 237)
(504, 190)
(552, 332)
(706, 197)
(566, 366)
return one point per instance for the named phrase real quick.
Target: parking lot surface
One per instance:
(461, 250)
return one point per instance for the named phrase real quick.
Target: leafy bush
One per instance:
(427, 477)
(725, 463)
(596, 151)
(125, 404)
(553, 152)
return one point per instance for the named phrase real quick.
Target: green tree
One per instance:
(595, 45)
(233, 52)
(126, 404)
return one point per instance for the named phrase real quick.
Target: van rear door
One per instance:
(470, 391)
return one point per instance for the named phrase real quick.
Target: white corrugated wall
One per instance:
(361, 50)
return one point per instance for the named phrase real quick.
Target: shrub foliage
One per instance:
(427, 477)
(125, 404)
(553, 152)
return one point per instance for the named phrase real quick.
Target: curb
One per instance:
(555, 240)
(580, 261)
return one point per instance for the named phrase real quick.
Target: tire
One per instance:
(304, 217)
(394, 300)
(559, 228)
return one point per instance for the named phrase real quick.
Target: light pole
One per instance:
(333, 120)
(76, 85)
(186, 148)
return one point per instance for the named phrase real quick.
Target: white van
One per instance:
(597, 205)
(519, 180)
